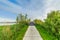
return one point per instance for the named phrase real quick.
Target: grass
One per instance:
(22, 33)
(13, 32)
(45, 35)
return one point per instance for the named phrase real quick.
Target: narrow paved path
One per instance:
(32, 34)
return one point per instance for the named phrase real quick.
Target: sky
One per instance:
(35, 9)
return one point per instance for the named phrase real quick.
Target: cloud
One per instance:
(52, 5)
(11, 7)
(6, 20)
(34, 8)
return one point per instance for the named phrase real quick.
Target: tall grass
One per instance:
(13, 32)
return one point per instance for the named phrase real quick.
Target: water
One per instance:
(7, 23)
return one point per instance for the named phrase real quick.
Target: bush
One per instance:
(53, 23)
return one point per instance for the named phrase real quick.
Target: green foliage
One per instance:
(50, 29)
(16, 31)
(53, 23)
(36, 21)
(17, 20)
(44, 33)
(13, 32)
(22, 19)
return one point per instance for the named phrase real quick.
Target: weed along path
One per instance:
(32, 34)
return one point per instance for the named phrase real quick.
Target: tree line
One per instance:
(51, 23)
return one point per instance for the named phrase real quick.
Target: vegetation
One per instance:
(53, 23)
(44, 34)
(16, 31)
(50, 27)
(22, 18)
(13, 32)
(36, 21)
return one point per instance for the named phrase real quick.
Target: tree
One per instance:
(25, 16)
(22, 19)
(53, 23)
(37, 21)
(17, 20)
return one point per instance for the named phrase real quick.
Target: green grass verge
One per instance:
(22, 33)
(13, 32)
(45, 35)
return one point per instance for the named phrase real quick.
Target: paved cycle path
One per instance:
(32, 34)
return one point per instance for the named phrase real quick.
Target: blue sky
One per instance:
(9, 9)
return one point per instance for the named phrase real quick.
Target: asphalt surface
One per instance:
(32, 34)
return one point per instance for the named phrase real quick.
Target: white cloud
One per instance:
(39, 12)
(6, 20)
(52, 5)
(11, 7)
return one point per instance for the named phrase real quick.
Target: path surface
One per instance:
(32, 34)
